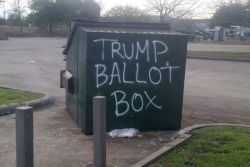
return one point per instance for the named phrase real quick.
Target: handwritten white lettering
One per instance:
(101, 74)
(151, 101)
(170, 68)
(150, 75)
(134, 97)
(137, 75)
(115, 73)
(142, 50)
(103, 44)
(165, 50)
(137, 102)
(132, 51)
(116, 47)
(119, 102)
(124, 75)
(134, 63)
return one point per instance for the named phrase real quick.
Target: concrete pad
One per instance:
(58, 142)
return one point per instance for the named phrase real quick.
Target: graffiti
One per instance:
(129, 59)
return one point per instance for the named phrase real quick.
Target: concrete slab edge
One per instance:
(166, 148)
(179, 138)
(43, 102)
(219, 58)
(198, 126)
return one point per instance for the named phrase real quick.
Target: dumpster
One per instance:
(139, 67)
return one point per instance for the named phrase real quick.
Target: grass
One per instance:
(241, 55)
(229, 41)
(8, 96)
(211, 147)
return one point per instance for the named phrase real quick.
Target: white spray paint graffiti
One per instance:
(128, 57)
(121, 102)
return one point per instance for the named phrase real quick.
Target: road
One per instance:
(32, 64)
(215, 91)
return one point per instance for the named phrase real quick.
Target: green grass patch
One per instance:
(242, 55)
(229, 41)
(8, 96)
(211, 147)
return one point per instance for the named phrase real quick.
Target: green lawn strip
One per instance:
(8, 96)
(242, 55)
(211, 147)
(228, 42)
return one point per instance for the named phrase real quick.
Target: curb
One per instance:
(219, 58)
(198, 126)
(181, 136)
(166, 148)
(35, 104)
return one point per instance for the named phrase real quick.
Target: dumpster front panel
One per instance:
(142, 76)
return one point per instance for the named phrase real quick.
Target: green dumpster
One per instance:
(139, 67)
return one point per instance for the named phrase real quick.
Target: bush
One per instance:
(2, 21)
(205, 37)
(242, 38)
(247, 34)
(191, 37)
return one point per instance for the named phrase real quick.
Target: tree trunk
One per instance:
(20, 23)
(50, 27)
(162, 18)
(21, 27)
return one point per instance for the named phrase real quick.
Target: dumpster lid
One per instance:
(117, 27)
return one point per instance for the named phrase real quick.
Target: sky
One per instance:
(204, 10)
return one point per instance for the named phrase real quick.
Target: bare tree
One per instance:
(18, 9)
(126, 14)
(101, 5)
(3, 6)
(221, 3)
(172, 8)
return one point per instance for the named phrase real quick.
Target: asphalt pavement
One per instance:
(215, 92)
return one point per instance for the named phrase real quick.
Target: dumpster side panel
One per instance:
(82, 64)
(142, 76)
(71, 67)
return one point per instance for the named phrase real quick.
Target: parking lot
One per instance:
(215, 91)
